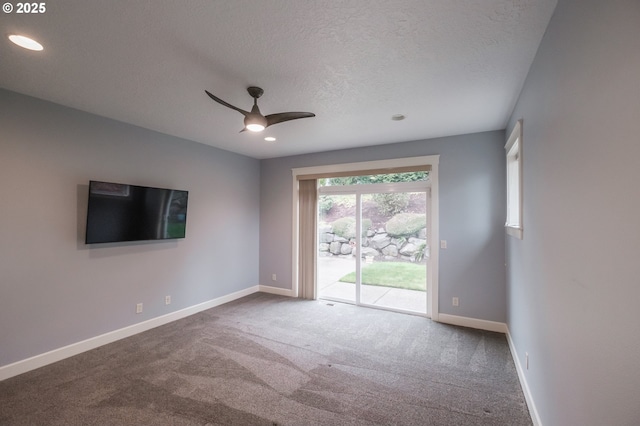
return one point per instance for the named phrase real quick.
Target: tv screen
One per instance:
(120, 212)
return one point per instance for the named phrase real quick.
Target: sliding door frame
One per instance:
(432, 212)
(358, 190)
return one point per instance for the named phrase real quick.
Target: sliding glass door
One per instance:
(336, 246)
(373, 245)
(394, 251)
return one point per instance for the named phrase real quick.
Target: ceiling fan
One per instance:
(256, 122)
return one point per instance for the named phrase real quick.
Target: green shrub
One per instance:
(382, 178)
(419, 256)
(404, 224)
(345, 227)
(324, 204)
(392, 202)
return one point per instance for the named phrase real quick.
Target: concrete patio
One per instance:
(331, 269)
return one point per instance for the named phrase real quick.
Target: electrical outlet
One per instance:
(167, 300)
(273, 277)
(139, 308)
(455, 301)
(443, 244)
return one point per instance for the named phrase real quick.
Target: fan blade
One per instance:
(286, 116)
(228, 105)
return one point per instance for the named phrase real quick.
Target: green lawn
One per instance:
(392, 274)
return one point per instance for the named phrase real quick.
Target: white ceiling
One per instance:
(452, 67)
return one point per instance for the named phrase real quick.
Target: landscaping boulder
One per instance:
(335, 247)
(370, 252)
(325, 228)
(398, 241)
(379, 241)
(390, 251)
(417, 241)
(326, 237)
(409, 249)
(346, 249)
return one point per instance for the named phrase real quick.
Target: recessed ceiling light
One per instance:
(270, 139)
(25, 42)
(398, 117)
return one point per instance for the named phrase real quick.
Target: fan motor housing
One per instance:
(255, 92)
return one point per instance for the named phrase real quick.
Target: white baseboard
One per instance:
(276, 290)
(498, 327)
(59, 354)
(533, 411)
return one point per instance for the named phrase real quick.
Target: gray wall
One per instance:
(574, 282)
(54, 290)
(472, 214)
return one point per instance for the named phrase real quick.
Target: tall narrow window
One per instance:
(513, 149)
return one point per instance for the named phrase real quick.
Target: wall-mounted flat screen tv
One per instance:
(120, 212)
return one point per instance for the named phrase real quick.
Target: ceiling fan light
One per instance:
(255, 127)
(255, 122)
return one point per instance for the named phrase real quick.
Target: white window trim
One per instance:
(433, 161)
(516, 135)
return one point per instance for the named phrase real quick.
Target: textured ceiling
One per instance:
(452, 67)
